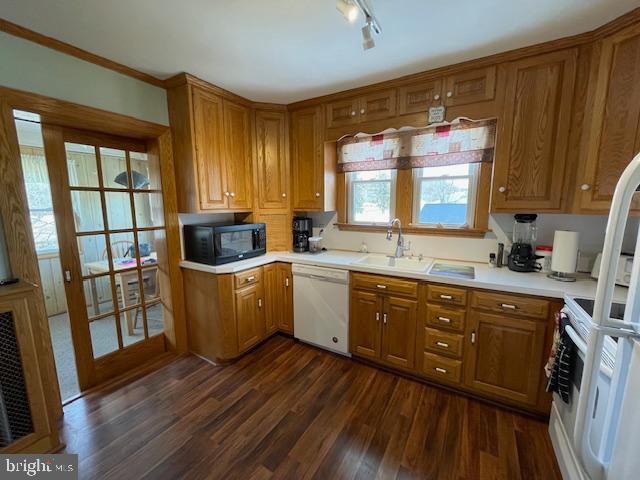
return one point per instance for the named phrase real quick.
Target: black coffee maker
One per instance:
(522, 257)
(302, 230)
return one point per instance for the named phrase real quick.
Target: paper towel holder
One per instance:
(565, 256)
(562, 277)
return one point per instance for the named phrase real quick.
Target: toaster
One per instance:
(623, 273)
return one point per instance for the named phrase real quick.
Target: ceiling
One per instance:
(288, 50)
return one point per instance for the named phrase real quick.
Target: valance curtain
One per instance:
(458, 142)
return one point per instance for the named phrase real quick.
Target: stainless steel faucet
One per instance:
(400, 249)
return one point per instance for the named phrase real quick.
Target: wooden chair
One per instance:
(119, 249)
(150, 296)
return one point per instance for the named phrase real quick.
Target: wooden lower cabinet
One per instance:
(227, 314)
(250, 316)
(382, 327)
(364, 324)
(398, 331)
(505, 356)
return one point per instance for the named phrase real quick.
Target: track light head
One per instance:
(367, 38)
(348, 9)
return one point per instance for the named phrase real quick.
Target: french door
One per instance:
(107, 197)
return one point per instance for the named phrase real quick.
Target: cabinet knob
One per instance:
(449, 94)
(362, 111)
(233, 194)
(585, 186)
(284, 195)
(353, 113)
(317, 194)
(226, 194)
(502, 189)
(436, 97)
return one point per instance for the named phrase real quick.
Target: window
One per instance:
(445, 196)
(371, 196)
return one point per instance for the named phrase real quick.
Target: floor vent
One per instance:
(15, 414)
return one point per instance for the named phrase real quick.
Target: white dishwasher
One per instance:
(321, 307)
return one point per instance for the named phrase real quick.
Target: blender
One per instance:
(522, 257)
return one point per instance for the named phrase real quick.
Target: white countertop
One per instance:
(488, 278)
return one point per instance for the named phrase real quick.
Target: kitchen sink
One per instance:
(413, 264)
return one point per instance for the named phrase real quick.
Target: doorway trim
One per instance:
(14, 212)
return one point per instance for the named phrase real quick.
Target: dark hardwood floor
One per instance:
(290, 411)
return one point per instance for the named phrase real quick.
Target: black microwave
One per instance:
(215, 244)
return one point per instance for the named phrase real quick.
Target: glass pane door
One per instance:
(111, 193)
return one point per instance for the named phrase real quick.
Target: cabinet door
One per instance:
(307, 160)
(237, 133)
(614, 135)
(378, 106)
(505, 356)
(342, 112)
(365, 324)
(285, 291)
(208, 126)
(531, 146)
(272, 297)
(399, 331)
(272, 161)
(250, 316)
(418, 97)
(470, 87)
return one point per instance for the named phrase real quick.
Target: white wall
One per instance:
(591, 227)
(27, 66)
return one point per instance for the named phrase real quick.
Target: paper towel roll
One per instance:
(565, 251)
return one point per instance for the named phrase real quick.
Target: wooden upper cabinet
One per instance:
(272, 161)
(613, 137)
(470, 87)
(399, 331)
(237, 135)
(365, 324)
(419, 97)
(377, 105)
(208, 123)
(342, 112)
(533, 133)
(307, 159)
(504, 356)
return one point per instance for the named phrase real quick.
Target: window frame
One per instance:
(350, 183)
(418, 179)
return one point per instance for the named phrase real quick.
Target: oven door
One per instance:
(237, 244)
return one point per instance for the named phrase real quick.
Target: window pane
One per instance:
(373, 175)
(149, 211)
(119, 210)
(93, 254)
(87, 211)
(147, 169)
(371, 202)
(444, 201)
(114, 168)
(104, 336)
(447, 170)
(81, 164)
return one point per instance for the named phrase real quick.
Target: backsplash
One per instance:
(591, 227)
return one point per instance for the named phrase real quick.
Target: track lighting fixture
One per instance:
(350, 9)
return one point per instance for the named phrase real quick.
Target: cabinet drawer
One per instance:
(443, 317)
(448, 295)
(248, 277)
(511, 304)
(385, 284)
(443, 342)
(441, 368)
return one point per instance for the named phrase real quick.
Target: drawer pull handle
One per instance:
(446, 297)
(509, 306)
(286, 282)
(384, 318)
(377, 316)
(444, 319)
(473, 338)
(250, 279)
(440, 370)
(259, 303)
(442, 344)
(381, 286)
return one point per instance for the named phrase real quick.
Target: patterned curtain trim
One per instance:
(462, 141)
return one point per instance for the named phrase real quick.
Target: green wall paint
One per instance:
(27, 66)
